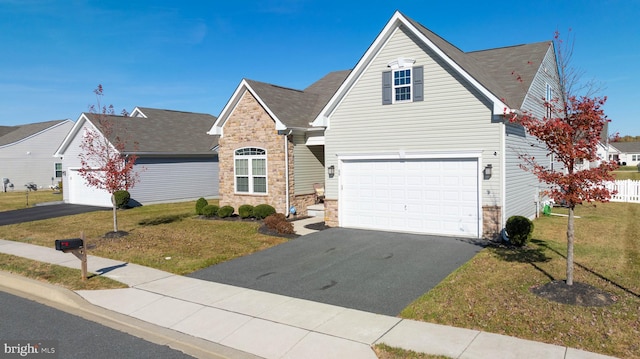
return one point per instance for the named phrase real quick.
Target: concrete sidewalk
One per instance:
(274, 326)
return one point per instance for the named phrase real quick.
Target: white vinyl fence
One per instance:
(628, 191)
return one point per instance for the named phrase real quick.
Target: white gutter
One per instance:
(286, 171)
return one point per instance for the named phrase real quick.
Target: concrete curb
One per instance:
(68, 301)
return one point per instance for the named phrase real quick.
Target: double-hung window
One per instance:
(404, 82)
(58, 170)
(402, 85)
(250, 170)
(548, 97)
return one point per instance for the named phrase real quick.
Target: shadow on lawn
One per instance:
(543, 245)
(163, 220)
(525, 255)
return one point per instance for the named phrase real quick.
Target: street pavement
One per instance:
(251, 323)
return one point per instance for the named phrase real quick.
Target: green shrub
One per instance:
(225, 211)
(210, 210)
(245, 211)
(263, 211)
(519, 230)
(278, 222)
(200, 204)
(122, 198)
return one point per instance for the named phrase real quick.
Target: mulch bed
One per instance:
(577, 294)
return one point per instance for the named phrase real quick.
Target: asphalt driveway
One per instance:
(379, 272)
(45, 212)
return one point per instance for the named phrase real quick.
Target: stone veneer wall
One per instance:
(491, 221)
(331, 212)
(251, 126)
(301, 202)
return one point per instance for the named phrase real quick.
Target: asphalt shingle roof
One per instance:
(11, 134)
(627, 147)
(296, 108)
(161, 132)
(493, 68)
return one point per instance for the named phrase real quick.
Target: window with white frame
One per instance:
(402, 85)
(404, 82)
(548, 97)
(58, 170)
(250, 170)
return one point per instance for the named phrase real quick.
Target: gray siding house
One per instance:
(176, 161)
(26, 154)
(418, 137)
(414, 138)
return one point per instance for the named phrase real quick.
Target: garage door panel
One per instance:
(426, 196)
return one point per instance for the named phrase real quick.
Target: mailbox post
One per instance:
(77, 247)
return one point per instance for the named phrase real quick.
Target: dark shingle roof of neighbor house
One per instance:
(627, 147)
(162, 132)
(11, 134)
(296, 108)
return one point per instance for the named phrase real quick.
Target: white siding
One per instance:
(31, 160)
(308, 166)
(453, 116)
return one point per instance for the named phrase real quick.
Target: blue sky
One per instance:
(191, 55)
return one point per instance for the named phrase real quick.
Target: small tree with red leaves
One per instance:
(104, 164)
(571, 131)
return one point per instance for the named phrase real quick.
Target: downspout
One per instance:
(286, 172)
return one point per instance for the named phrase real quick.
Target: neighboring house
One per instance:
(268, 151)
(414, 139)
(176, 161)
(26, 154)
(628, 153)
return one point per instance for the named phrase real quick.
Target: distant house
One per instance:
(413, 139)
(26, 154)
(176, 161)
(628, 153)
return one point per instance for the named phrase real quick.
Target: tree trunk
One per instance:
(115, 217)
(570, 239)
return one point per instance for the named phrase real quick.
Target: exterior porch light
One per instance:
(487, 171)
(331, 170)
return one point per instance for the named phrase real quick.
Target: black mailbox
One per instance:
(69, 244)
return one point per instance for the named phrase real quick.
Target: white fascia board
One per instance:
(137, 113)
(231, 105)
(401, 154)
(499, 107)
(315, 141)
(71, 135)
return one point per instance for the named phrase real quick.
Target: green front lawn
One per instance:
(22, 199)
(492, 291)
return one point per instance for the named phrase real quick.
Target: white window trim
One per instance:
(250, 175)
(396, 65)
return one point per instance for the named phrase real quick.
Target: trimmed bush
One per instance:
(210, 210)
(122, 198)
(278, 222)
(519, 230)
(225, 211)
(263, 211)
(245, 211)
(200, 204)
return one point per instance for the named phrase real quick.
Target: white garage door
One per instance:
(81, 193)
(424, 196)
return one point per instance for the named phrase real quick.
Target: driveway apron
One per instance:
(45, 212)
(374, 271)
